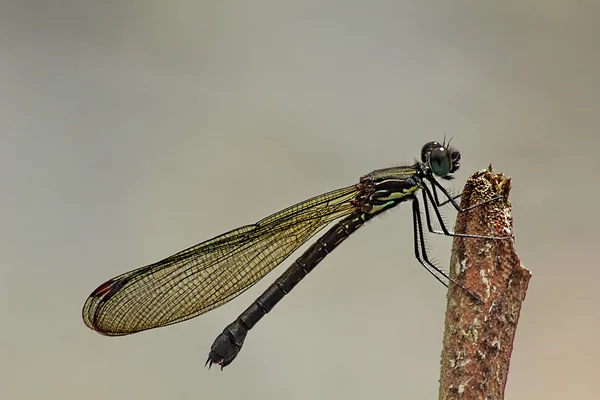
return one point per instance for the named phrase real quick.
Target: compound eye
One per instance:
(426, 151)
(440, 162)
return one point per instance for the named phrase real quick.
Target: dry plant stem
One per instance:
(478, 338)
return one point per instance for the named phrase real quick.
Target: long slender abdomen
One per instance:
(229, 343)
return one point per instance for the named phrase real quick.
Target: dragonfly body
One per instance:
(212, 273)
(377, 192)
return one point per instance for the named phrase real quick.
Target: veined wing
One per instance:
(211, 273)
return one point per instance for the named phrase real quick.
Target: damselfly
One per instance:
(213, 272)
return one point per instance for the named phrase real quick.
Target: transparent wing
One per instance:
(211, 273)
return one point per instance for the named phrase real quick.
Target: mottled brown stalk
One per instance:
(478, 338)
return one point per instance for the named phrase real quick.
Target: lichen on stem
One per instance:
(479, 335)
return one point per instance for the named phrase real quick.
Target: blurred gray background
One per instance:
(131, 130)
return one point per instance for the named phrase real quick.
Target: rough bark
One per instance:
(479, 335)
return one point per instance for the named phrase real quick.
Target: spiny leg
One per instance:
(423, 259)
(421, 251)
(452, 199)
(448, 200)
(435, 206)
(418, 242)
